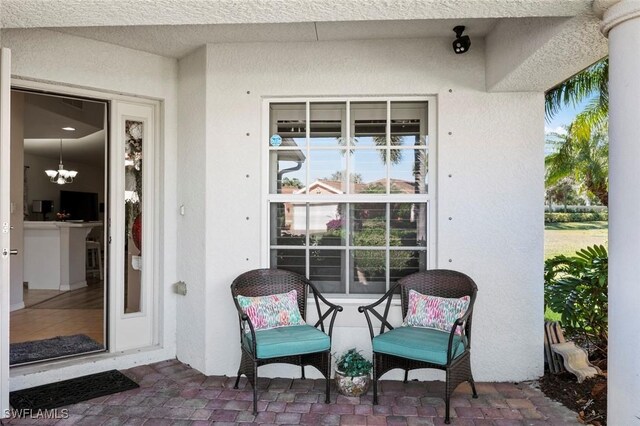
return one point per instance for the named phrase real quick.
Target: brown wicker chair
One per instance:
(264, 282)
(455, 361)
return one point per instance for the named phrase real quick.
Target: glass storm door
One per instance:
(5, 249)
(132, 249)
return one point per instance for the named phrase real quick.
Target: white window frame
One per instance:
(430, 198)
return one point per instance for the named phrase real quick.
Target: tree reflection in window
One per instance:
(134, 131)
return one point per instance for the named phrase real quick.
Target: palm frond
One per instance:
(593, 119)
(594, 80)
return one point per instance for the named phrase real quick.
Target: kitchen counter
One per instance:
(55, 254)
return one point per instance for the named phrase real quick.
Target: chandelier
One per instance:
(61, 176)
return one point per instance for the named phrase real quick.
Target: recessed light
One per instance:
(69, 129)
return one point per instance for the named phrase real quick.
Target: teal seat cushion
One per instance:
(418, 343)
(290, 340)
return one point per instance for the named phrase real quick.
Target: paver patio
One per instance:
(172, 393)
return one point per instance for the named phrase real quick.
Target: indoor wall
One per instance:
(90, 179)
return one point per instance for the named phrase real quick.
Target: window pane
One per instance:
(134, 138)
(288, 121)
(369, 124)
(327, 224)
(327, 172)
(326, 270)
(368, 271)
(327, 124)
(287, 172)
(369, 224)
(368, 171)
(408, 123)
(408, 171)
(288, 224)
(386, 154)
(290, 259)
(408, 224)
(406, 262)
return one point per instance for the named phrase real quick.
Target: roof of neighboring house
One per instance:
(335, 186)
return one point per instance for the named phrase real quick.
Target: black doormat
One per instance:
(38, 350)
(71, 391)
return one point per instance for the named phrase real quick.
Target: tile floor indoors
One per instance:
(172, 393)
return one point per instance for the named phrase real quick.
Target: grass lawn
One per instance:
(566, 238)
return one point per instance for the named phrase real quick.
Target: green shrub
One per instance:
(576, 288)
(351, 363)
(575, 217)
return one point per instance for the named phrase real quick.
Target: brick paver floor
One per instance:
(172, 393)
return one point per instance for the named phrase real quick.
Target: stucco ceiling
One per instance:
(178, 40)
(75, 13)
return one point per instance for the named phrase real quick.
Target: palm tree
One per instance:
(592, 83)
(584, 159)
(582, 152)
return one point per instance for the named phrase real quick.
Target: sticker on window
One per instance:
(276, 140)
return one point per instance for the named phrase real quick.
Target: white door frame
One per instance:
(5, 211)
(135, 329)
(152, 231)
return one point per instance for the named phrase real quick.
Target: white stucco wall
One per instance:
(494, 196)
(53, 57)
(192, 169)
(494, 155)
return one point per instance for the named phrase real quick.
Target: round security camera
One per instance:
(462, 43)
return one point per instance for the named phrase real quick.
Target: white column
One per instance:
(621, 24)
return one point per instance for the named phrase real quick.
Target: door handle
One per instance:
(6, 252)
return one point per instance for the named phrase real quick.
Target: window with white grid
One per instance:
(349, 191)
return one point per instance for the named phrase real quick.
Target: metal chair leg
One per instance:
(255, 401)
(375, 381)
(237, 380)
(447, 396)
(406, 376)
(327, 378)
(254, 379)
(473, 388)
(447, 420)
(303, 377)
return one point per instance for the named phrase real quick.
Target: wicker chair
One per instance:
(299, 345)
(411, 348)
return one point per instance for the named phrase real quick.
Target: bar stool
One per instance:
(94, 259)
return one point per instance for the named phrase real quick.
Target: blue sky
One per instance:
(564, 117)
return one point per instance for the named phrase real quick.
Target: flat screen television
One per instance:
(80, 205)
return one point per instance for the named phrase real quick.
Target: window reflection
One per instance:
(134, 134)
(378, 161)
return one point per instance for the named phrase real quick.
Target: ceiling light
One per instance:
(61, 176)
(69, 129)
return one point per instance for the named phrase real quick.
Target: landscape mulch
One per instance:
(588, 399)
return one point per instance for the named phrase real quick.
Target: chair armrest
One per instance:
(462, 323)
(332, 310)
(369, 309)
(243, 321)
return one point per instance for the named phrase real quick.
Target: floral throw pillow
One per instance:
(272, 311)
(435, 312)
